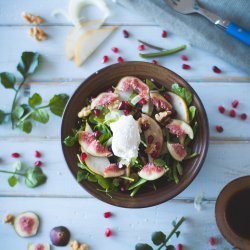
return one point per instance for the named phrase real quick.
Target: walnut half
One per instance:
(9, 218)
(32, 19)
(38, 34)
(162, 117)
(75, 245)
(84, 112)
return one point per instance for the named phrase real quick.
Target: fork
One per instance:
(191, 6)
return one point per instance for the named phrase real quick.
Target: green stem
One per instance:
(24, 118)
(172, 232)
(151, 45)
(11, 172)
(43, 107)
(163, 53)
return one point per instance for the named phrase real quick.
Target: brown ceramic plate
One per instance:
(102, 80)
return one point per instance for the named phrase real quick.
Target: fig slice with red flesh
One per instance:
(180, 128)
(152, 172)
(38, 246)
(177, 151)
(26, 224)
(160, 102)
(91, 145)
(104, 99)
(113, 171)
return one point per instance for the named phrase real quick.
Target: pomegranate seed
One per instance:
(15, 155)
(38, 154)
(97, 134)
(83, 156)
(126, 112)
(97, 112)
(125, 33)
(235, 103)
(216, 70)
(164, 33)
(145, 126)
(157, 145)
(179, 247)
(221, 109)
(122, 189)
(212, 241)
(38, 163)
(167, 97)
(141, 47)
(154, 154)
(219, 129)
(150, 139)
(115, 49)
(155, 62)
(124, 105)
(184, 58)
(142, 101)
(108, 232)
(243, 116)
(232, 113)
(120, 59)
(186, 66)
(107, 214)
(105, 59)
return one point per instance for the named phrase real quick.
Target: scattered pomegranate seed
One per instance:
(184, 58)
(105, 59)
(97, 134)
(38, 154)
(232, 113)
(115, 49)
(97, 112)
(15, 155)
(38, 164)
(142, 101)
(221, 109)
(219, 129)
(235, 103)
(126, 112)
(154, 154)
(243, 116)
(107, 214)
(167, 96)
(150, 139)
(155, 62)
(145, 126)
(83, 156)
(125, 33)
(120, 59)
(212, 241)
(108, 232)
(216, 70)
(141, 47)
(186, 66)
(164, 33)
(179, 247)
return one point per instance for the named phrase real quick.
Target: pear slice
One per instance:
(97, 164)
(180, 106)
(89, 42)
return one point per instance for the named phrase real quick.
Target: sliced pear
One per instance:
(89, 42)
(177, 151)
(180, 106)
(180, 128)
(97, 164)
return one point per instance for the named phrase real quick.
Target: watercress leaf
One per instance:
(159, 162)
(2, 116)
(25, 126)
(35, 100)
(158, 237)
(170, 247)
(81, 175)
(18, 112)
(28, 63)
(8, 80)
(26, 108)
(177, 234)
(69, 141)
(150, 84)
(57, 104)
(92, 178)
(40, 115)
(35, 177)
(182, 92)
(142, 246)
(12, 180)
(179, 168)
(192, 111)
(17, 165)
(104, 183)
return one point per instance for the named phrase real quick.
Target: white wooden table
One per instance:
(61, 201)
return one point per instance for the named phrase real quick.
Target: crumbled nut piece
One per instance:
(114, 105)
(9, 218)
(75, 245)
(161, 117)
(84, 112)
(38, 34)
(150, 148)
(32, 19)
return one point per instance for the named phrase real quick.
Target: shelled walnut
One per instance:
(75, 245)
(38, 34)
(32, 19)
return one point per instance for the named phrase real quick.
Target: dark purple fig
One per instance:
(60, 236)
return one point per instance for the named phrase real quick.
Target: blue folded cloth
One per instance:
(198, 30)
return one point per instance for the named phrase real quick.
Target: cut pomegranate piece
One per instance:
(107, 214)
(164, 33)
(221, 109)
(120, 59)
(108, 232)
(186, 66)
(38, 154)
(232, 113)
(219, 129)
(15, 155)
(235, 103)
(105, 59)
(216, 70)
(141, 47)
(115, 49)
(125, 33)
(184, 58)
(243, 116)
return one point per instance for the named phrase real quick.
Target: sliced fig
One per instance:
(152, 172)
(160, 102)
(113, 171)
(104, 99)
(129, 83)
(26, 224)
(38, 246)
(153, 136)
(97, 164)
(180, 106)
(177, 151)
(60, 236)
(180, 128)
(91, 145)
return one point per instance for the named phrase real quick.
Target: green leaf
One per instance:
(18, 112)
(104, 183)
(192, 111)
(81, 175)
(179, 168)
(12, 180)
(170, 247)
(141, 246)
(105, 133)
(26, 108)
(25, 126)
(182, 92)
(17, 165)
(35, 177)
(177, 234)
(57, 104)
(35, 100)
(158, 237)
(150, 84)
(159, 162)
(138, 183)
(92, 178)
(40, 115)
(69, 141)
(2, 116)
(28, 63)
(173, 223)
(8, 80)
